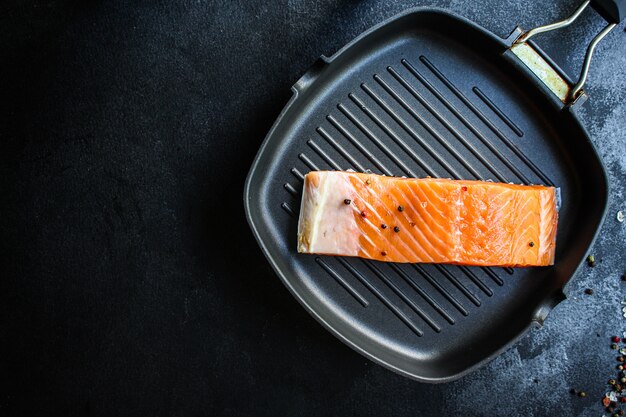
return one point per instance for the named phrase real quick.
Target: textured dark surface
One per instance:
(131, 283)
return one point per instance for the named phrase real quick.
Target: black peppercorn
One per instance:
(400, 208)
(347, 201)
(531, 244)
(588, 291)
(383, 226)
(396, 229)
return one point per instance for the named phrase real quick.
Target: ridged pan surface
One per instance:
(425, 94)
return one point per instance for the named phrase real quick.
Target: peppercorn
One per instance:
(621, 412)
(531, 244)
(624, 277)
(368, 181)
(620, 359)
(614, 346)
(383, 253)
(612, 382)
(464, 188)
(363, 214)
(617, 387)
(591, 260)
(620, 367)
(400, 208)
(588, 291)
(582, 394)
(396, 229)
(623, 380)
(573, 391)
(383, 226)
(615, 339)
(347, 201)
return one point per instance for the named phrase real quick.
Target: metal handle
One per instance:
(577, 88)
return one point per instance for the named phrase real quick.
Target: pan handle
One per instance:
(613, 11)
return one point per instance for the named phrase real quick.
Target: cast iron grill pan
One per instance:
(425, 94)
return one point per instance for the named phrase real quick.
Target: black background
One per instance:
(131, 282)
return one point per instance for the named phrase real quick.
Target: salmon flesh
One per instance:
(427, 220)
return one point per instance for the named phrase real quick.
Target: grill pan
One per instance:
(427, 93)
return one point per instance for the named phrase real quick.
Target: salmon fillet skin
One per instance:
(427, 220)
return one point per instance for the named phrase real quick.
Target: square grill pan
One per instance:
(425, 94)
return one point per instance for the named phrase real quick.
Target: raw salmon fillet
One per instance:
(427, 220)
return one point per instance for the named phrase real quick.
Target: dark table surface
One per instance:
(131, 283)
